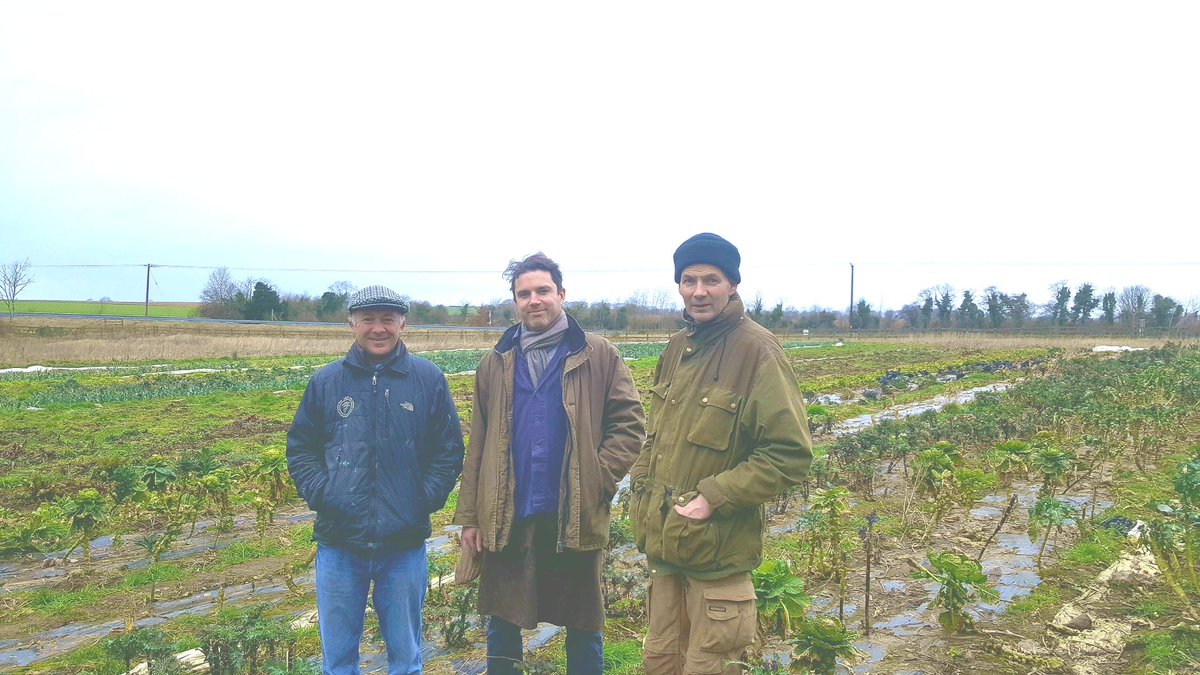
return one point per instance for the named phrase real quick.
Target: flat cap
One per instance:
(377, 297)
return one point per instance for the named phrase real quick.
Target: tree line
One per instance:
(1135, 308)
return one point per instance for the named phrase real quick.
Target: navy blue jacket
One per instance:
(374, 452)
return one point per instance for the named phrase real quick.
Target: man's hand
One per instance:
(697, 509)
(471, 540)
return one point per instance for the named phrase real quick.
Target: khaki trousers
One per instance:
(697, 626)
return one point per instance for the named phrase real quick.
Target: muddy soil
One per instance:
(905, 635)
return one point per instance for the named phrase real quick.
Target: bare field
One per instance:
(30, 341)
(25, 342)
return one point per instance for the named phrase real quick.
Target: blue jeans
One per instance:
(585, 649)
(343, 578)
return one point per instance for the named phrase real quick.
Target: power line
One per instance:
(340, 271)
(882, 263)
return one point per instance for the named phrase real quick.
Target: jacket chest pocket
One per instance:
(658, 403)
(717, 420)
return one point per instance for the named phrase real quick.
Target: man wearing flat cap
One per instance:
(375, 447)
(727, 432)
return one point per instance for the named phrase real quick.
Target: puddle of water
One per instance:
(874, 652)
(1015, 543)
(986, 512)
(890, 586)
(902, 625)
(18, 658)
(822, 606)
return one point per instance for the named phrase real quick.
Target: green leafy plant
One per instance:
(156, 473)
(1053, 464)
(819, 643)
(141, 642)
(155, 545)
(219, 483)
(241, 639)
(83, 513)
(1045, 516)
(781, 597)
(960, 579)
(272, 468)
(1011, 458)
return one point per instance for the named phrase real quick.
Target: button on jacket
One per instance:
(374, 451)
(727, 420)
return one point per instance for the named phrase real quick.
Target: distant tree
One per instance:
(996, 309)
(775, 319)
(223, 298)
(600, 315)
(14, 277)
(220, 288)
(969, 314)
(1017, 307)
(756, 308)
(621, 318)
(439, 315)
(862, 316)
(1058, 310)
(264, 302)
(509, 314)
(1084, 304)
(1108, 308)
(1165, 311)
(1131, 304)
(945, 304)
(343, 288)
(331, 307)
(910, 314)
(926, 308)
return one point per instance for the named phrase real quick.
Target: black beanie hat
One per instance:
(712, 249)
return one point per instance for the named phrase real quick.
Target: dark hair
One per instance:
(537, 261)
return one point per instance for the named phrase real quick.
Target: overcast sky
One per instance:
(1013, 144)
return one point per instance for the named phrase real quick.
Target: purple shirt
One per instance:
(539, 436)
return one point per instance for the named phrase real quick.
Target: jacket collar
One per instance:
(397, 360)
(574, 338)
(727, 320)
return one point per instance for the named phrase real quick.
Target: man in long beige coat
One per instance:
(727, 433)
(555, 425)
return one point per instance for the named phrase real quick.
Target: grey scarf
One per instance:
(539, 348)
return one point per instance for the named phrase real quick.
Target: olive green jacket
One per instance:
(727, 421)
(605, 429)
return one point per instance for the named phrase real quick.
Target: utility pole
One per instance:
(148, 266)
(850, 314)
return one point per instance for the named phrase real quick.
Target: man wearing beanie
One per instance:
(727, 432)
(375, 447)
(556, 423)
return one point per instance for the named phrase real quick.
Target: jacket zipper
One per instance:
(372, 456)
